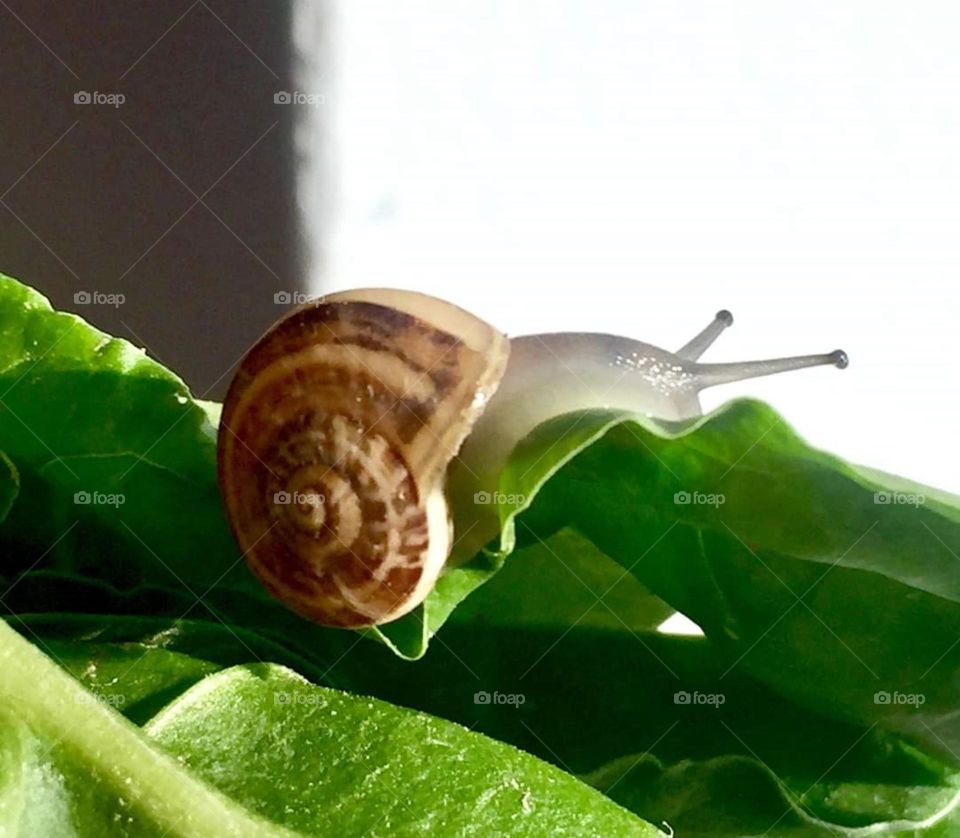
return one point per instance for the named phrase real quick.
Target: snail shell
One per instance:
(335, 437)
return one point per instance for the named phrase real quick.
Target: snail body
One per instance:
(343, 421)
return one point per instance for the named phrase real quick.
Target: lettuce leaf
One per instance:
(804, 575)
(258, 750)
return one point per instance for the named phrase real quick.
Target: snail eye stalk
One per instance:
(703, 341)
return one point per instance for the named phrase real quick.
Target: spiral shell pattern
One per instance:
(334, 440)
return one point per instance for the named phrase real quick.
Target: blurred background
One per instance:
(181, 173)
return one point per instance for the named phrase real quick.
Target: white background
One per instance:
(632, 167)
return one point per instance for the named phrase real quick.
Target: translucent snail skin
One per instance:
(348, 423)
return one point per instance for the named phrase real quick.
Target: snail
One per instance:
(347, 424)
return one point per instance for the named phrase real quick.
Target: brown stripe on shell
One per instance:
(348, 323)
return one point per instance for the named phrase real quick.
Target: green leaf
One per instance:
(597, 692)
(129, 784)
(566, 719)
(232, 626)
(373, 769)
(798, 575)
(586, 588)
(217, 761)
(111, 448)
(740, 796)
(595, 700)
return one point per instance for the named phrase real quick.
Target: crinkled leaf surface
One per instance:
(799, 575)
(607, 703)
(708, 770)
(258, 750)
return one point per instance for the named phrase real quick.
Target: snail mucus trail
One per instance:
(350, 422)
